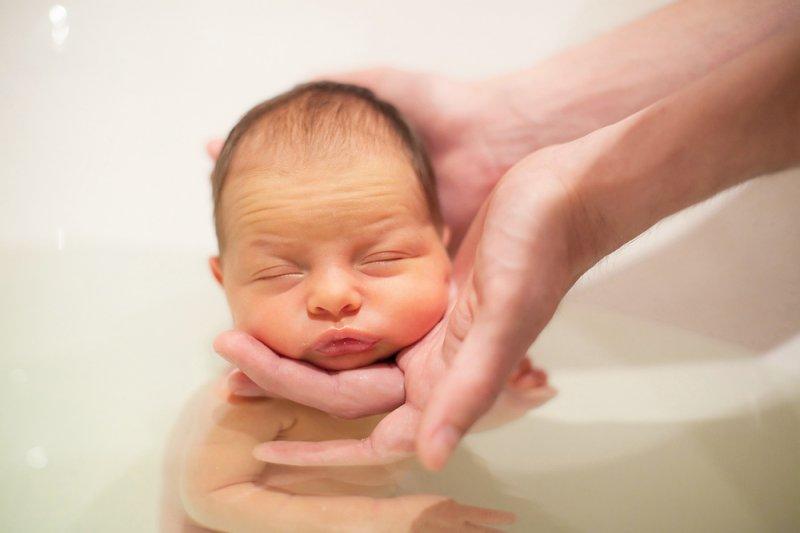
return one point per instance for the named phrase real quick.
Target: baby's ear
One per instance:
(216, 269)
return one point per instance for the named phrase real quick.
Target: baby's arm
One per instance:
(220, 480)
(221, 489)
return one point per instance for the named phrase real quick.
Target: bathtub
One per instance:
(677, 359)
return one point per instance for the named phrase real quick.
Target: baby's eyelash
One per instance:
(276, 276)
(388, 260)
(392, 256)
(265, 273)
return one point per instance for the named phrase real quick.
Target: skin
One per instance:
(330, 245)
(719, 109)
(337, 243)
(215, 483)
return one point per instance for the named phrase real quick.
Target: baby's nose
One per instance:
(334, 296)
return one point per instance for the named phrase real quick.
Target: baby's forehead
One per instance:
(306, 236)
(290, 171)
(321, 239)
(323, 199)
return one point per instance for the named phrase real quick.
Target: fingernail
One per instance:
(443, 442)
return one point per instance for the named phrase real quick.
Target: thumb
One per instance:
(389, 442)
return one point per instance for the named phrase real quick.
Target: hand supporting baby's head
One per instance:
(332, 248)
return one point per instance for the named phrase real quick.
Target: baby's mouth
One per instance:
(346, 346)
(344, 341)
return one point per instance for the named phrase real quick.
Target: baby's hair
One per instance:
(319, 119)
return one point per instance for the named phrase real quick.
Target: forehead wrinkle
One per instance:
(294, 205)
(376, 229)
(302, 198)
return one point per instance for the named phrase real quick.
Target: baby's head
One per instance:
(331, 243)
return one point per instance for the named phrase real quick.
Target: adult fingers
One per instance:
(451, 515)
(391, 441)
(476, 376)
(348, 394)
(346, 452)
(214, 147)
(241, 385)
(497, 332)
(516, 279)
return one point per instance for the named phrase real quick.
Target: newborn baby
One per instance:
(331, 251)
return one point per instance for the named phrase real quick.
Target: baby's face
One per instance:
(337, 264)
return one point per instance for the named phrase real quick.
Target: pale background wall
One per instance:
(107, 312)
(101, 136)
(104, 137)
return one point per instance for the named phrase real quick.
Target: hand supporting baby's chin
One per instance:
(374, 389)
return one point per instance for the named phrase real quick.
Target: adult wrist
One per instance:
(518, 116)
(555, 102)
(615, 187)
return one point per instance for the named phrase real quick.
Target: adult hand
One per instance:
(528, 245)
(468, 130)
(511, 270)
(393, 438)
(558, 211)
(371, 390)
(561, 209)
(518, 260)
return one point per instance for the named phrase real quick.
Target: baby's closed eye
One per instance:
(384, 263)
(385, 257)
(277, 271)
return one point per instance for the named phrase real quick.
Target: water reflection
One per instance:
(732, 472)
(60, 26)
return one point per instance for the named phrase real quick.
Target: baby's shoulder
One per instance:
(213, 410)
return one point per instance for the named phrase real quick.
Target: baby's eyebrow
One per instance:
(271, 241)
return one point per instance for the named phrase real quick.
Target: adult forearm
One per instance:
(623, 71)
(738, 122)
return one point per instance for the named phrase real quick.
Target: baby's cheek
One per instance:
(271, 323)
(417, 307)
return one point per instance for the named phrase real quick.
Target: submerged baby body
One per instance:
(216, 484)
